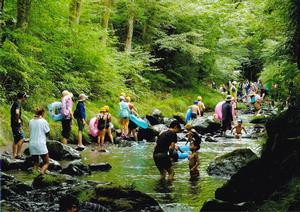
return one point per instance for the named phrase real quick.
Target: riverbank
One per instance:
(169, 104)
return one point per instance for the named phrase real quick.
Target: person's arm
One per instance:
(47, 130)
(232, 129)
(203, 106)
(172, 145)
(243, 128)
(82, 113)
(18, 116)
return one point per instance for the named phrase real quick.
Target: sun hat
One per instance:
(128, 99)
(102, 109)
(199, 98)
(65, 93)
(228, 98)
(82, 97)
(122, 98)
(22, 95)
(106, 108)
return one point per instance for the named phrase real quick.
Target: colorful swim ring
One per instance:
(54, 110)
(183, 155)
(185, 148)
(138, 121)
(218, 111)
(93, 131)
(188, 115)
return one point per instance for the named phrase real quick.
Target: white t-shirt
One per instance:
(38, 129)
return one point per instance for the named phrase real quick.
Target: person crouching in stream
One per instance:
(165, 142)
(39, 129)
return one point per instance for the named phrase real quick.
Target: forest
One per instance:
(161, 53)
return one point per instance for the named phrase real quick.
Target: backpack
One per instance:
(76, 112)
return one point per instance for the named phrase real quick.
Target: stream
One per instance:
(134, 166)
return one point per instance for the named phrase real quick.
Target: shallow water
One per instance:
(134, 166)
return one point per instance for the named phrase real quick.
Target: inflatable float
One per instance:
(93, 131)
(185, 148)
(188, 115)
(218, 111)
(138, 121)
(233, 136)
(183, 155)
(54, 110)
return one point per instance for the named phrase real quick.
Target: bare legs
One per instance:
(101, 136)
(163, 174)
(16, 148)
(80, 139)
(45, 164)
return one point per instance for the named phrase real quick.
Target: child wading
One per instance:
(194, 160)
(238, 129)
(39, 128)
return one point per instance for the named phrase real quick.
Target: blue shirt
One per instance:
(81, 108)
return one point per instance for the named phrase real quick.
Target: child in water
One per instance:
(238, 129)
(201, 105)
(194, 160)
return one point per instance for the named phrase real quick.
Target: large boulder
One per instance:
(124, 199)
(180, 118)
(76, 168)
(159, 128)
(53, 180)
(147, 134)
(205, 125)
(153, 120)
(228, 164)
(261, 119)
(10, 186)
(7, 163)
(168, 121)
(59, 151)
(100, 167)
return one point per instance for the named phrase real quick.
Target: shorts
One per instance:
(194, 174)
(162, 161)
(103, 126)
(124, 122)
(194, 116)
(226, 125)
(66, 128)
(80, 124)
(132, 125)
(18, 134)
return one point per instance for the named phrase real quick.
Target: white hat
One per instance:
(82, 97)
(228, 98)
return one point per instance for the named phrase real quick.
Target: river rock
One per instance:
(124, 199)
(147, 134)
(211, 139)
(205, 125)
(230, 163)
(152, 120)
(7, 163)
(159, 128)
(167, 121)
(261, 119)
(59, 151)
(100, 167)
(180, 118)
(181, 137)
(217, 205)
(76, 168)
(11, 186)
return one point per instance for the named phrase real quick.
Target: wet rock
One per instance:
(147, 134)
(159, 128)
(100, 167)
(167, 121)
(152, 120)
(205, 125)
(7, 163)
(180, 118)
(76, 168)
(59, 151)
(211, 139)
(181, 137)
(217, 205)
(156, 112)
(124, 199)
(11, 186)
(262, 119)
(230, 163)
(125, 143)
(48, 181)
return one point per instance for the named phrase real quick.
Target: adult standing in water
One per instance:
(165, 142)
(66, 109)
(39, 129)
(80, 115)
(16, 124)
(124, 112)
(227, 117)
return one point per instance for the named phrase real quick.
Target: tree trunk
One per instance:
(23, 10)
(128, 43)
(105, 18)
(75, 7)
(1, 7)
